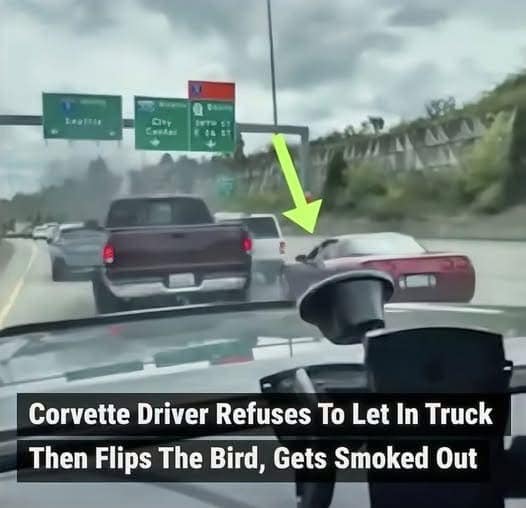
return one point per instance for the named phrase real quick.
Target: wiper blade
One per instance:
(144, 315)
(104, 370)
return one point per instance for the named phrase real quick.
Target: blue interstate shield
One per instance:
(196, 89)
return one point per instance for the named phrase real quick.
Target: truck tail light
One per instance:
(247, 244)
(108, 254)
(282, 246)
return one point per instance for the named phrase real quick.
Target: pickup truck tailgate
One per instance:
(153, 253)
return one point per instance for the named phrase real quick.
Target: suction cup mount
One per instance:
(346, 306)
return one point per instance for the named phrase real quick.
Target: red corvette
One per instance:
(419, 275)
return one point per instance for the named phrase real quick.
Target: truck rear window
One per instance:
(158, 212)
(262, 227)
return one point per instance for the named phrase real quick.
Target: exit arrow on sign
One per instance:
(155, 142)
(211, 144)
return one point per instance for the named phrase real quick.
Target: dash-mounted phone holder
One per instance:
(348, 309)
(347, 305)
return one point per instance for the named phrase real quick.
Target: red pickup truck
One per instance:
(168, 250)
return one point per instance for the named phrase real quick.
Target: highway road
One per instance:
(27, 293)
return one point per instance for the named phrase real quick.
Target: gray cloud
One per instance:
(79, 16)
(313, 43)
(334, 59)
(414, 14)
(233, 20)
(496, 14)
(405, 95)
(336, 62)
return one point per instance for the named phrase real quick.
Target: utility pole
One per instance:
(272, 69)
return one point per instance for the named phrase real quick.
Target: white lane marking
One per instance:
(440, 308)
(18, 287)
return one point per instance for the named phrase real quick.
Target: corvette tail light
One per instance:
(461, 263)
(383, 266)
(108, 254)
(447, 264)
(282, 246)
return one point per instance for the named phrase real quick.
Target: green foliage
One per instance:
(487, 162)
(514, 188)
(490, 200)
(437, 108)
(335, 181)
(263, 202)
(391, 207)
(365, 179)
(384, 195)
(506, 96)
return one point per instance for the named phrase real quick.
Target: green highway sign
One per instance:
(212, 126)
(161, 124)
(79, 116)
(226, 186)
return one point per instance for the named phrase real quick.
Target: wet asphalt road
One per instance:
(27, 293)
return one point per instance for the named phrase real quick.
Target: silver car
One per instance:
(75, 250)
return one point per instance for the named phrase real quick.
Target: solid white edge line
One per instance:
(4, 312)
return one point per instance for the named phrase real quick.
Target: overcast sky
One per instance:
(337, 61)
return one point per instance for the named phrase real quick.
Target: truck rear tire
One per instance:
(58, 271)
(105, 302)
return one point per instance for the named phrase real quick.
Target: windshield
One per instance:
(378, 245)
(262, 227)
(160, 156)
(157, 212)
(186, 343)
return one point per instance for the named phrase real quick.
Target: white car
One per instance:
(44, 231)
(40, 232)
(268, 245)
(54, 230)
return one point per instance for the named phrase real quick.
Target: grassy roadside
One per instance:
(506, 226)
(509, 224)
(6, 251)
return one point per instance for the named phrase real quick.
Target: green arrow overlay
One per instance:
(304, 214)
